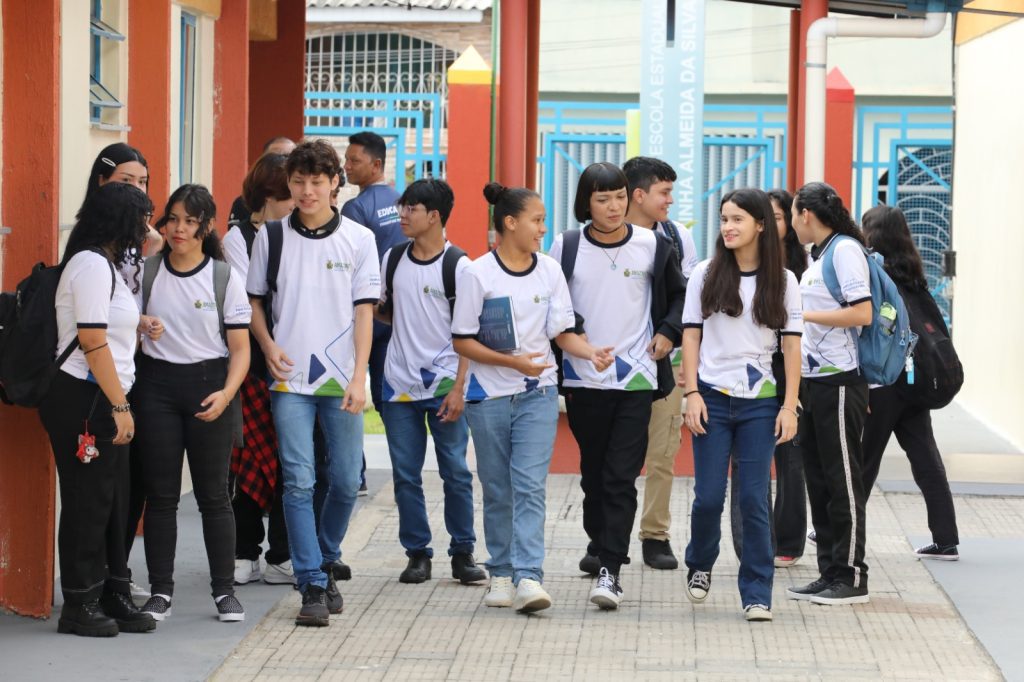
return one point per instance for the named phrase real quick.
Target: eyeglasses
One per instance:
(409, 210)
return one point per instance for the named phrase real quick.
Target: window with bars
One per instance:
(376, 63)
(103, 45)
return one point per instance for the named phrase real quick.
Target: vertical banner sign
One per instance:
(672, 102)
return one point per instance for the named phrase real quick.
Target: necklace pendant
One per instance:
(614, 266)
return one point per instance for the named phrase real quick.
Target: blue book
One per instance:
(498, 325)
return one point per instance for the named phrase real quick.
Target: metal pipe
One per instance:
(817, 58)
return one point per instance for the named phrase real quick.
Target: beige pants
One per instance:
(663, 438)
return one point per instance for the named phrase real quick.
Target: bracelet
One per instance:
(688, 393)
(789, 409)
(92, 349)
(123, 407)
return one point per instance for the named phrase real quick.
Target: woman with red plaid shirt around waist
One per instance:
(254, 464)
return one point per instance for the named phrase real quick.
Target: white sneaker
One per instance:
(246, 571)
(530, 597)
(279, 574)
(757, 612)
(608, 592)
(500, 592)
(138, 590)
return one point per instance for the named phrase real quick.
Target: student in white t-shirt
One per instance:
(255, 465)
(327, 284)
(650, 196)
(834, 395)
(627, 287)
(186, 395)
(736, 305)
(512, 394)
(88, 396)
(424, 383)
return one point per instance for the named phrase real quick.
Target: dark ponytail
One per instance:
(825, 203)
(507, 202)
(199, 204)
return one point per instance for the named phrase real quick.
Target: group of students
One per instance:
(256, 369)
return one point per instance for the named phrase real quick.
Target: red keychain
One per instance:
(87, 450)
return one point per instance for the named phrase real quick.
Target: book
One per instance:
(498, 325)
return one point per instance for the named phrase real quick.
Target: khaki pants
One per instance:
(663, 438)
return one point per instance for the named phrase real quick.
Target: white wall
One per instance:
(594, 47)
(988, 232)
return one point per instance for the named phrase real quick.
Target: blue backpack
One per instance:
(885, 345)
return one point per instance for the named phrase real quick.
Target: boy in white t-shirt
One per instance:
(424, 381)
(650, 195)
(323, 295)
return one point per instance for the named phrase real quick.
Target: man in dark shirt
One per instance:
(376, 207)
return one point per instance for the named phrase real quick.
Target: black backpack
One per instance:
(672, 233)
(28, 336)
(449, 261)
(938, 373)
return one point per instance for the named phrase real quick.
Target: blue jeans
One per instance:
(405, 425)
(294, 415)
(742, 428)
(514, 437)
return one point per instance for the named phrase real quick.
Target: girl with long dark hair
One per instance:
(834, 395)
(88, 400)
(893, 409)
(188, 380)
(737, 304)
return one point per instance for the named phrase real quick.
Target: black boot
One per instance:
(86, 620)
(121, 608)
(465, 570)
(417, 571)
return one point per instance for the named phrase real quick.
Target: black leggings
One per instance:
(93, 496)
(168, 396)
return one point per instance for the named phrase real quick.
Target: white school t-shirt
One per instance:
(186, 304)
(83, 301)
(322, 277)
(421, 363)
(611, 289)
(830, 350)
(235, 252)
(735, 352)
(542, 308)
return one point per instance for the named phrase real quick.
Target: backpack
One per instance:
(937, 372)
(449, 261)
(672, 233)
(221, 273)
(248, 234)
(884, 345)
(275, 243)
(28, 336)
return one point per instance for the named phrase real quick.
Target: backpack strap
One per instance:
(248, 234)
(449, 263)
(570, 247)
(828, 269)
(672, 233)
(221, 274)
(275, 243)
(152, 265)
(394, 258)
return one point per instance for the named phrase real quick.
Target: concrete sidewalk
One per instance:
(441, 630)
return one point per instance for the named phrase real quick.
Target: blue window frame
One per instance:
(100, 96)
(187, 116)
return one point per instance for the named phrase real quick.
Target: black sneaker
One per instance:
(608, 592)
(339, 569)
(658, 554)
(698, 584)
(229, 609)
(934, 551)
(417, 570)
(335, 603)
(314, 611)
(362, 492)
(158, 606)
(120, 607)
(465, 570)
(807, 591)
(86, 620)
(590, 564)
(841, 593)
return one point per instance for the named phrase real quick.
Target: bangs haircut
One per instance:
(598, 177)
(435, 195)
(267, 179)
(643, 171)
(316, 157)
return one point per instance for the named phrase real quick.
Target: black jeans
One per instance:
(830, 435)
(249, 533)
(789, 518)
(168, 396)
(93, 496)
(913, 428)
(610, 428)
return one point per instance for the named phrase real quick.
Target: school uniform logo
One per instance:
(630, 273)
(207, 306)
(433, 292)
(338, 266)
(541, 298)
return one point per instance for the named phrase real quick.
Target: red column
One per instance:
(512, 89)
(149, 91)
(811, 11)
(231, 104)
(839, 114)
(469, 103)
(794, 100)
(532, 92)
(31, 147)
(277, 79)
